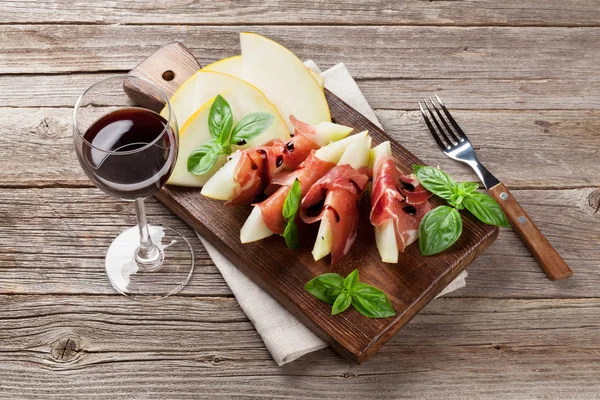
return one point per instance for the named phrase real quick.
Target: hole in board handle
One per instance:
(168, 75)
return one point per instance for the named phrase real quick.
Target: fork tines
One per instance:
(445, 136)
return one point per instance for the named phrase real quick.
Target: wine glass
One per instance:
(126, 139)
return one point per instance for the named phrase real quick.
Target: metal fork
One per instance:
(456, 145)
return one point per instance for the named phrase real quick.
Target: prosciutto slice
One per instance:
(257, 166)
(399, 197)
(307, 174)
(336, 197)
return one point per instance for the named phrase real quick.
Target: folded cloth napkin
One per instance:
(285, 337)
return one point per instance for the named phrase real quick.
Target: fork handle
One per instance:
(550, 261)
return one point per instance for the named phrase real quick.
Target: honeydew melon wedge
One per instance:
(357, 156)
(254, 228)
(385, 234)
(233, 66)
(205, 85)
(192, 135)
(195, 132)
(230, 65)
(334, 151)
(222, 185)
(284, 79)
(328, 132)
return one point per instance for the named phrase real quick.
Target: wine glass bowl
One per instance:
(128, 149)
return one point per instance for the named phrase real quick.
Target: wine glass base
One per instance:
(146, 284)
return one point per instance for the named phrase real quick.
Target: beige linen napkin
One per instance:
(284, 336)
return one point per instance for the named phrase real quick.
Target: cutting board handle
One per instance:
(168, 67)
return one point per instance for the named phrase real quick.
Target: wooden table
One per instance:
(522, 78)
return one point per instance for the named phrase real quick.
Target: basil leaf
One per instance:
(204, 162)
(196, 155)
(290, 234)
(325, 287)
(342, 302)
(485, 208)
(456, 200)
(467, 187)
(251, 126)
(460, 191)
(220, 120)
(439, 229)
(371, 302)
(436, 181)
(351, 280)
(292, 201)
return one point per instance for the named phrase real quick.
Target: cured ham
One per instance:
(249, 172)
(333, 200)
(307, 174)
(398, 203)
(336, 198)
(266, 217)
(256, 167)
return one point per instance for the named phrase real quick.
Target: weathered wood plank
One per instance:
(37, 145)
(62, 90)
(522, 148)
(486, 94)
(463, 347)
(466, 12)
(369, 52)
(54, 241)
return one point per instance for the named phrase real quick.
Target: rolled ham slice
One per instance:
(267, 216)
(336, 198)
(256, 167)
(307, 174)
(398, 203)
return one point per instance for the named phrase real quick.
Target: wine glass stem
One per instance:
(148, 255)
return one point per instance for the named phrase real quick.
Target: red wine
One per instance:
(135, 166)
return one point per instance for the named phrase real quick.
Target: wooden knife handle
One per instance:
(550, 261)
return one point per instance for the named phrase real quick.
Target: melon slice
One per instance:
(233, 66)
(357, 156)
(205, 85)
(254, 228)
(284, 79)
(194, 133)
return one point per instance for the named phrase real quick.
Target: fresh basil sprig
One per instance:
(442, 227)
(342, 292)
(220, 123)
(290, 211)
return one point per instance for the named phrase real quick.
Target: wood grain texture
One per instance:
(33, 134)
(109, 347)
(54, 241)
(388, 12)
(548, 258)
(455, 348)
(401, 52)
(61, 90)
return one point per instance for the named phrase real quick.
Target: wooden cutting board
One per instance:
(410, 284)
